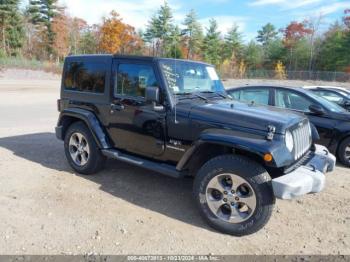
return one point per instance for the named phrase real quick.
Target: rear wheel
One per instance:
(234, 194)
(344, 152)
(82, 151)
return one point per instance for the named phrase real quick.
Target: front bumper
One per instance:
(306, 179)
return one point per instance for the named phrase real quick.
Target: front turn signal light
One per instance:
(268, 157)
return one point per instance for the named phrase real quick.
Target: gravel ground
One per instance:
(46, 208)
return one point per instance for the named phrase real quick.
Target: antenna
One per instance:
(175, 99)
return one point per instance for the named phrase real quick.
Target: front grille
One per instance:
(298, 163)
(302, 139)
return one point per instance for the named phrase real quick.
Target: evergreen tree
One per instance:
(233, 44)
(266, 34)
(212, 44)
(193, 34)
(253, 55)
(42, 13)
(335, 52)
(173, 49)
(274, 52)
(11, 26)
(159, 29)
(33, 12)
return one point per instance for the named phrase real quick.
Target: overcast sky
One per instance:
(249, 15)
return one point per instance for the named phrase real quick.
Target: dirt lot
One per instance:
(46, 208)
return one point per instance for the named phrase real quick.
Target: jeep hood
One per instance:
(232, 113)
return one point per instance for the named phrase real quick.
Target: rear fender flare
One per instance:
(92, 123)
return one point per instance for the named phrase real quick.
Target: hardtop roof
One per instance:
(146, 58)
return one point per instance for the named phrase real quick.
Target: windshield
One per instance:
(185, 77)
(330, 106)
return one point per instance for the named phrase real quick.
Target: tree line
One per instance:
(44, 31)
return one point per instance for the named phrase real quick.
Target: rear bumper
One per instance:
(306, 179)
(59, 132)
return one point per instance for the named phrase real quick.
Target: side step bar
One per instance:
(164, 169)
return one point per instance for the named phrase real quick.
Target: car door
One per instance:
(296, 101)
(134, 124)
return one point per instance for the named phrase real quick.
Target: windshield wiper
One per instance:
(191, 94)
(217, 93)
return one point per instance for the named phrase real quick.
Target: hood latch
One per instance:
(271, 132)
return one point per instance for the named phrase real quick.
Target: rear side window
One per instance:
(85, 77)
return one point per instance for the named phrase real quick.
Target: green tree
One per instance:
(193, 34)
(253, 55)
(266, 34)
(33, 12)
(159, 28)
(335, 51)
(274, 52)
(212, 44)
(11, 26)
(88, 42)
(173, 49)
(301, 54)
(233, 44)
(42, 13)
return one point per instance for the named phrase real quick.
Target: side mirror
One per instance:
(316, 109)
(152, 94)
(347, 103)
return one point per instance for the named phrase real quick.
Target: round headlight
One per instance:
(289, 141)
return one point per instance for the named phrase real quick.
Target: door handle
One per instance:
(117, 107)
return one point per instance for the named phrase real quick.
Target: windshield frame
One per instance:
(172, 95)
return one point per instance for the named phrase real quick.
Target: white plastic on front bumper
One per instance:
(305, 179)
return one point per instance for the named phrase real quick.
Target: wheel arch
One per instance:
(70, 116)
(340, 141)
(202, 151)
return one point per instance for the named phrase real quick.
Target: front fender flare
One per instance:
(90, 119)
(255, 144)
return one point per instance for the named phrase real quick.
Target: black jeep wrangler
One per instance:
(175, 118)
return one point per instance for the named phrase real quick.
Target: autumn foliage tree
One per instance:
(293, 33)
(77, 27)
(116, 36)
(60, 30)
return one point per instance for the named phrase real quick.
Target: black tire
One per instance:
(95, 158)
(343, 153)
(258, 179)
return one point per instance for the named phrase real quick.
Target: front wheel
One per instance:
(234, 194)
(344, 152)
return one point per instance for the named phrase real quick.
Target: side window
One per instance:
(291, 100)
(132, 80)
(85, 77)
(258, 96)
